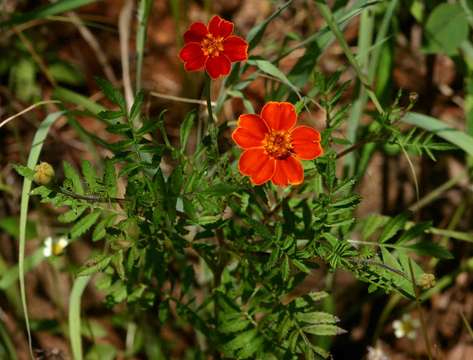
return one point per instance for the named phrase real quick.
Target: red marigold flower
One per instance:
(273, 146)
(212, 47)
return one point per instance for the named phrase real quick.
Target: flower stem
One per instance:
(208, 87)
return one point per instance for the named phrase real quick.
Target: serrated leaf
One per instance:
(185, 129)
(95, 264)
(347, 202)
(71, 174)
(24, 171)
(100, 229)
(233, 325)
(270, 69)
(301, 266)
(113, 94)
(390, 260)
(371, 224)
(316, 296)
(285, 268)
(414, 232)
(251, 348)
(89, 175)
(317, 317)
(110, 178)
(239, 341)
(137, 104)
(84, 224)
(321, 352)
(429, 248)
(151, 125)
(72, 214)
(108, 115)
(392, 227)
(176, 180)
(323, 330)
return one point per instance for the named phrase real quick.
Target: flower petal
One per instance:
(193, 57)
(220, 27)
(250, 132)
(288, 171)
(191, 51)
(235, 48)
(218, 65)
(196, 33)
(279, 115)
(258, 165)
(306, 142)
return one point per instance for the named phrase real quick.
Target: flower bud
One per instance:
(427, 281)
(44, 173)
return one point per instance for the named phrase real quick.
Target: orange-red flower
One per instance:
(212, 47)
(273, 145)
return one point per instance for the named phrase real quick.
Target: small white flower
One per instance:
(54, 246)
(376, 353)
(406, 327)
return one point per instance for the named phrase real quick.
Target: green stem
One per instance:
(208, 87)
(144, 10)
(332, 24)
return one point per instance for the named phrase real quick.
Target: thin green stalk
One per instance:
(388, 308)
(69, 96)
(365, 36)
(144, 9)
(7, 120)
(33, 158)
(176, 14)
(467, 324)
(75, 334)
(6, 341)
(124, 24)
(208, 97)
(332, 24)
(437, 192)
(421, 313)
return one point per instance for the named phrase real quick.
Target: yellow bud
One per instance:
(44, 173)
(427, 281)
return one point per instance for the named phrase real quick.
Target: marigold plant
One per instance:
(170, 220)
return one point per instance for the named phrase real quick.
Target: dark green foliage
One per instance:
(182, 234)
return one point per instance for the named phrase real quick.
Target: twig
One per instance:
(35, 56)
(181, 99)
(93, 43)
(29, 108)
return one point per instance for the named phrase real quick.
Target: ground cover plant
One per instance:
(236, 180)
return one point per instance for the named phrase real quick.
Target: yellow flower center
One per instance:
(211, 45)
(277, 144)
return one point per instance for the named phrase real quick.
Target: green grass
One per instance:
(33, 158)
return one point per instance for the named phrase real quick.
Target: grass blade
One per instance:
(10, 275)
(74, 316)
(365, 37)
(33, 157)
(69, 96)
(332, 24)
(45, 11)
(144, 10)
(8, 346)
